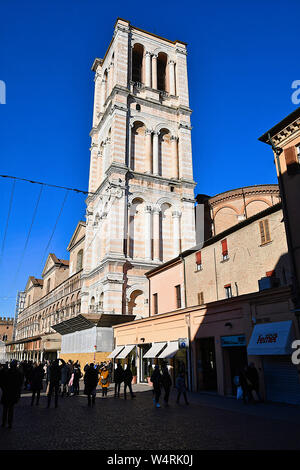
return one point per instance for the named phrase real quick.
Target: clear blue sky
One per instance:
(243, 57)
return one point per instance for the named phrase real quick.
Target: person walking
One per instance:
(157, 382)
(11, 380)
(65, 377)
(127, 382)
(54, 381)
(253, 377)
(245, 384)
(119, 377)
(90, 384)
(36, 382)
(77, 377)
(166, 383)
(181, 388)
(104, 381)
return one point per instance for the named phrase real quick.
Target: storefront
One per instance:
(272, 342)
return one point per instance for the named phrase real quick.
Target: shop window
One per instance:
(224, 250)
(198, 261)
(178, 296)
(228, 291)
(264, 231)
(155, 304)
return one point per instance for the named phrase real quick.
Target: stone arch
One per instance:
(256, 205)
(162, 71)
(136, 245)
(136, 301)
(137, 147)
(165, 231)
(138, 63)
(225, 217)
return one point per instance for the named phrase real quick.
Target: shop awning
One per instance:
(115, 352)
(154, 350)
(170, 350)
(126, 351)
(271, 339)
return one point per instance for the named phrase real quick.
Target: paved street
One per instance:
(209, 422)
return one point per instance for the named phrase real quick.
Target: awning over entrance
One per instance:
(170, 350)
(128, 348)
(271, 339)
(115, 352)
(154, 350)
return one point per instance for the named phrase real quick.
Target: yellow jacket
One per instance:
(103, 381)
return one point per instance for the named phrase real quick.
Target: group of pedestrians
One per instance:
(162, 380)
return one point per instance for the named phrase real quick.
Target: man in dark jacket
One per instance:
(127, 381)
(119, 377)
(54, 380)
(166, 383)
(11, 381)
(90, 384)
(253, 377)
(156, 381)
(36, 382)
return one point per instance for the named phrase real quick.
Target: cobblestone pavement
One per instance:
(209, 422)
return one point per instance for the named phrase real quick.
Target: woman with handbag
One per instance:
(104, 381)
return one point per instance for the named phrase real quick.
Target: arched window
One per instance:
(137, 63)
(79, 260)
(161, 71)
(137, 157)
(48, 285)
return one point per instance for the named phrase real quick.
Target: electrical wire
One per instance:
(7, 220)
(47, 184)
(55, 225)
(29, 233)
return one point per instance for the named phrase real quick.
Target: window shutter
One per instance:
(267, 230)
(224, 247)
(198, 257)
(262, 232)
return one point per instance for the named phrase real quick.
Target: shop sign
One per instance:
(183, 343)
(230, 341)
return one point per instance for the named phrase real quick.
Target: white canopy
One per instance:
(115, 352)
(170, 350)
(154, 350)
(271, 339)
(128, 348)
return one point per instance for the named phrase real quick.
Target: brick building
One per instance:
(6, 328)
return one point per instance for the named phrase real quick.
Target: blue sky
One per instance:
(243, 58)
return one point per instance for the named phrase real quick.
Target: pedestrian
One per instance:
(90, 384)
(36, 382)
(119, 377)
(104, 380)
(166, 383)
(127, 378)
(54, 381)
(11, 380)
(65, 378)
(76, 378)
(246, 385)
(181, 388)
(253, 377)
(110, 370)
(156, 381)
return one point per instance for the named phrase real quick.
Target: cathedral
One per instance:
(140, 209)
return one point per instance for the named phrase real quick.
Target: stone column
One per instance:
(155, 153)
(174, 157)
(156, 237)
(148, 210)
(148, 151)
(154, 71)
(176, 232)
(172, 77)
(148, 69)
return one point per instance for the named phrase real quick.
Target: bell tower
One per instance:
(141, 212)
